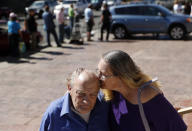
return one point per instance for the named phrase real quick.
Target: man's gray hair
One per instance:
(74, 75)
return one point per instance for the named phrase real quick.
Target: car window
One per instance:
(69, 2)
(83, 1)
(38, 4)
(129, 11)
(151, 11)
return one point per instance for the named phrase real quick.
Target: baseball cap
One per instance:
(12, 14)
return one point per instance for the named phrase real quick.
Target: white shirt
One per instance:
(88, 14)
(177, 8)
(60, 17)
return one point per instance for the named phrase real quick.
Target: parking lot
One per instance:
(29, 84)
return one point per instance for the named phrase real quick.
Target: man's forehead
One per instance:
(87, 78)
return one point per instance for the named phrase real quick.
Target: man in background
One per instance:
(50, 26)
(60, 17)
(30, 26)
(89, 19)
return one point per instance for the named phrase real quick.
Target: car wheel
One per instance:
(120, 32)
(177, 32)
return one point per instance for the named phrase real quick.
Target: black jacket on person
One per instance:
(106, 16)
(31, 24)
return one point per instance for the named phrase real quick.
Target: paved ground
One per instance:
(28, 85)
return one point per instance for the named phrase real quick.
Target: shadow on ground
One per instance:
(154, 37)
(26, 57)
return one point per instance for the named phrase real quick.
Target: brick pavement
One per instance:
(28, 86)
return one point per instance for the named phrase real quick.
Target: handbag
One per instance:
(141, 110)
(22, 47)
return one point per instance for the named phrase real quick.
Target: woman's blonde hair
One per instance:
(124, 67)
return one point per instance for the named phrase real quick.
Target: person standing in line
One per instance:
(60, 17)
(177, 7)
(105, 21)
(50, 26)
(13, 35)
(30, 25)
(71, 13)
(187, 8)
(89, 19)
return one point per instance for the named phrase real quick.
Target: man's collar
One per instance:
(66, 107)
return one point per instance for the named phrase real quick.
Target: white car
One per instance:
(38, 7)
(80, 5)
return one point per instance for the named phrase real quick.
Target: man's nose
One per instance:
(86, 100)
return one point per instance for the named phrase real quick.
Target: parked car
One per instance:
(4, 45)
(38, 6)
(112, 2)
(96, 4)
(4, 12)
(148, 18)
(80, 5)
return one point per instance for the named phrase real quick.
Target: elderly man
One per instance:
(80, 109)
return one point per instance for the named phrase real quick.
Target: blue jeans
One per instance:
(71, 23)
(53, 32)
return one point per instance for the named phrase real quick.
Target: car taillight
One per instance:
(189, 20)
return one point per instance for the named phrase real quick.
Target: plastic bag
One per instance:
(22, 47)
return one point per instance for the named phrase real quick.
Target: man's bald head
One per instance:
(82, 74)
(83, 87)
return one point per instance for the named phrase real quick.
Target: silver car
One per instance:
(38, 6)
(148, 18)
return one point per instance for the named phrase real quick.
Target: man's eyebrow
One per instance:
(79, 90)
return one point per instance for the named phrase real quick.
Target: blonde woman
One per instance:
(137, 103)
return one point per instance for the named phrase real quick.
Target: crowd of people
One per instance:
(17, 34)
(65, 30)
(28, 34)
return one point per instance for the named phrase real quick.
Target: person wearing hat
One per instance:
(13, 34)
